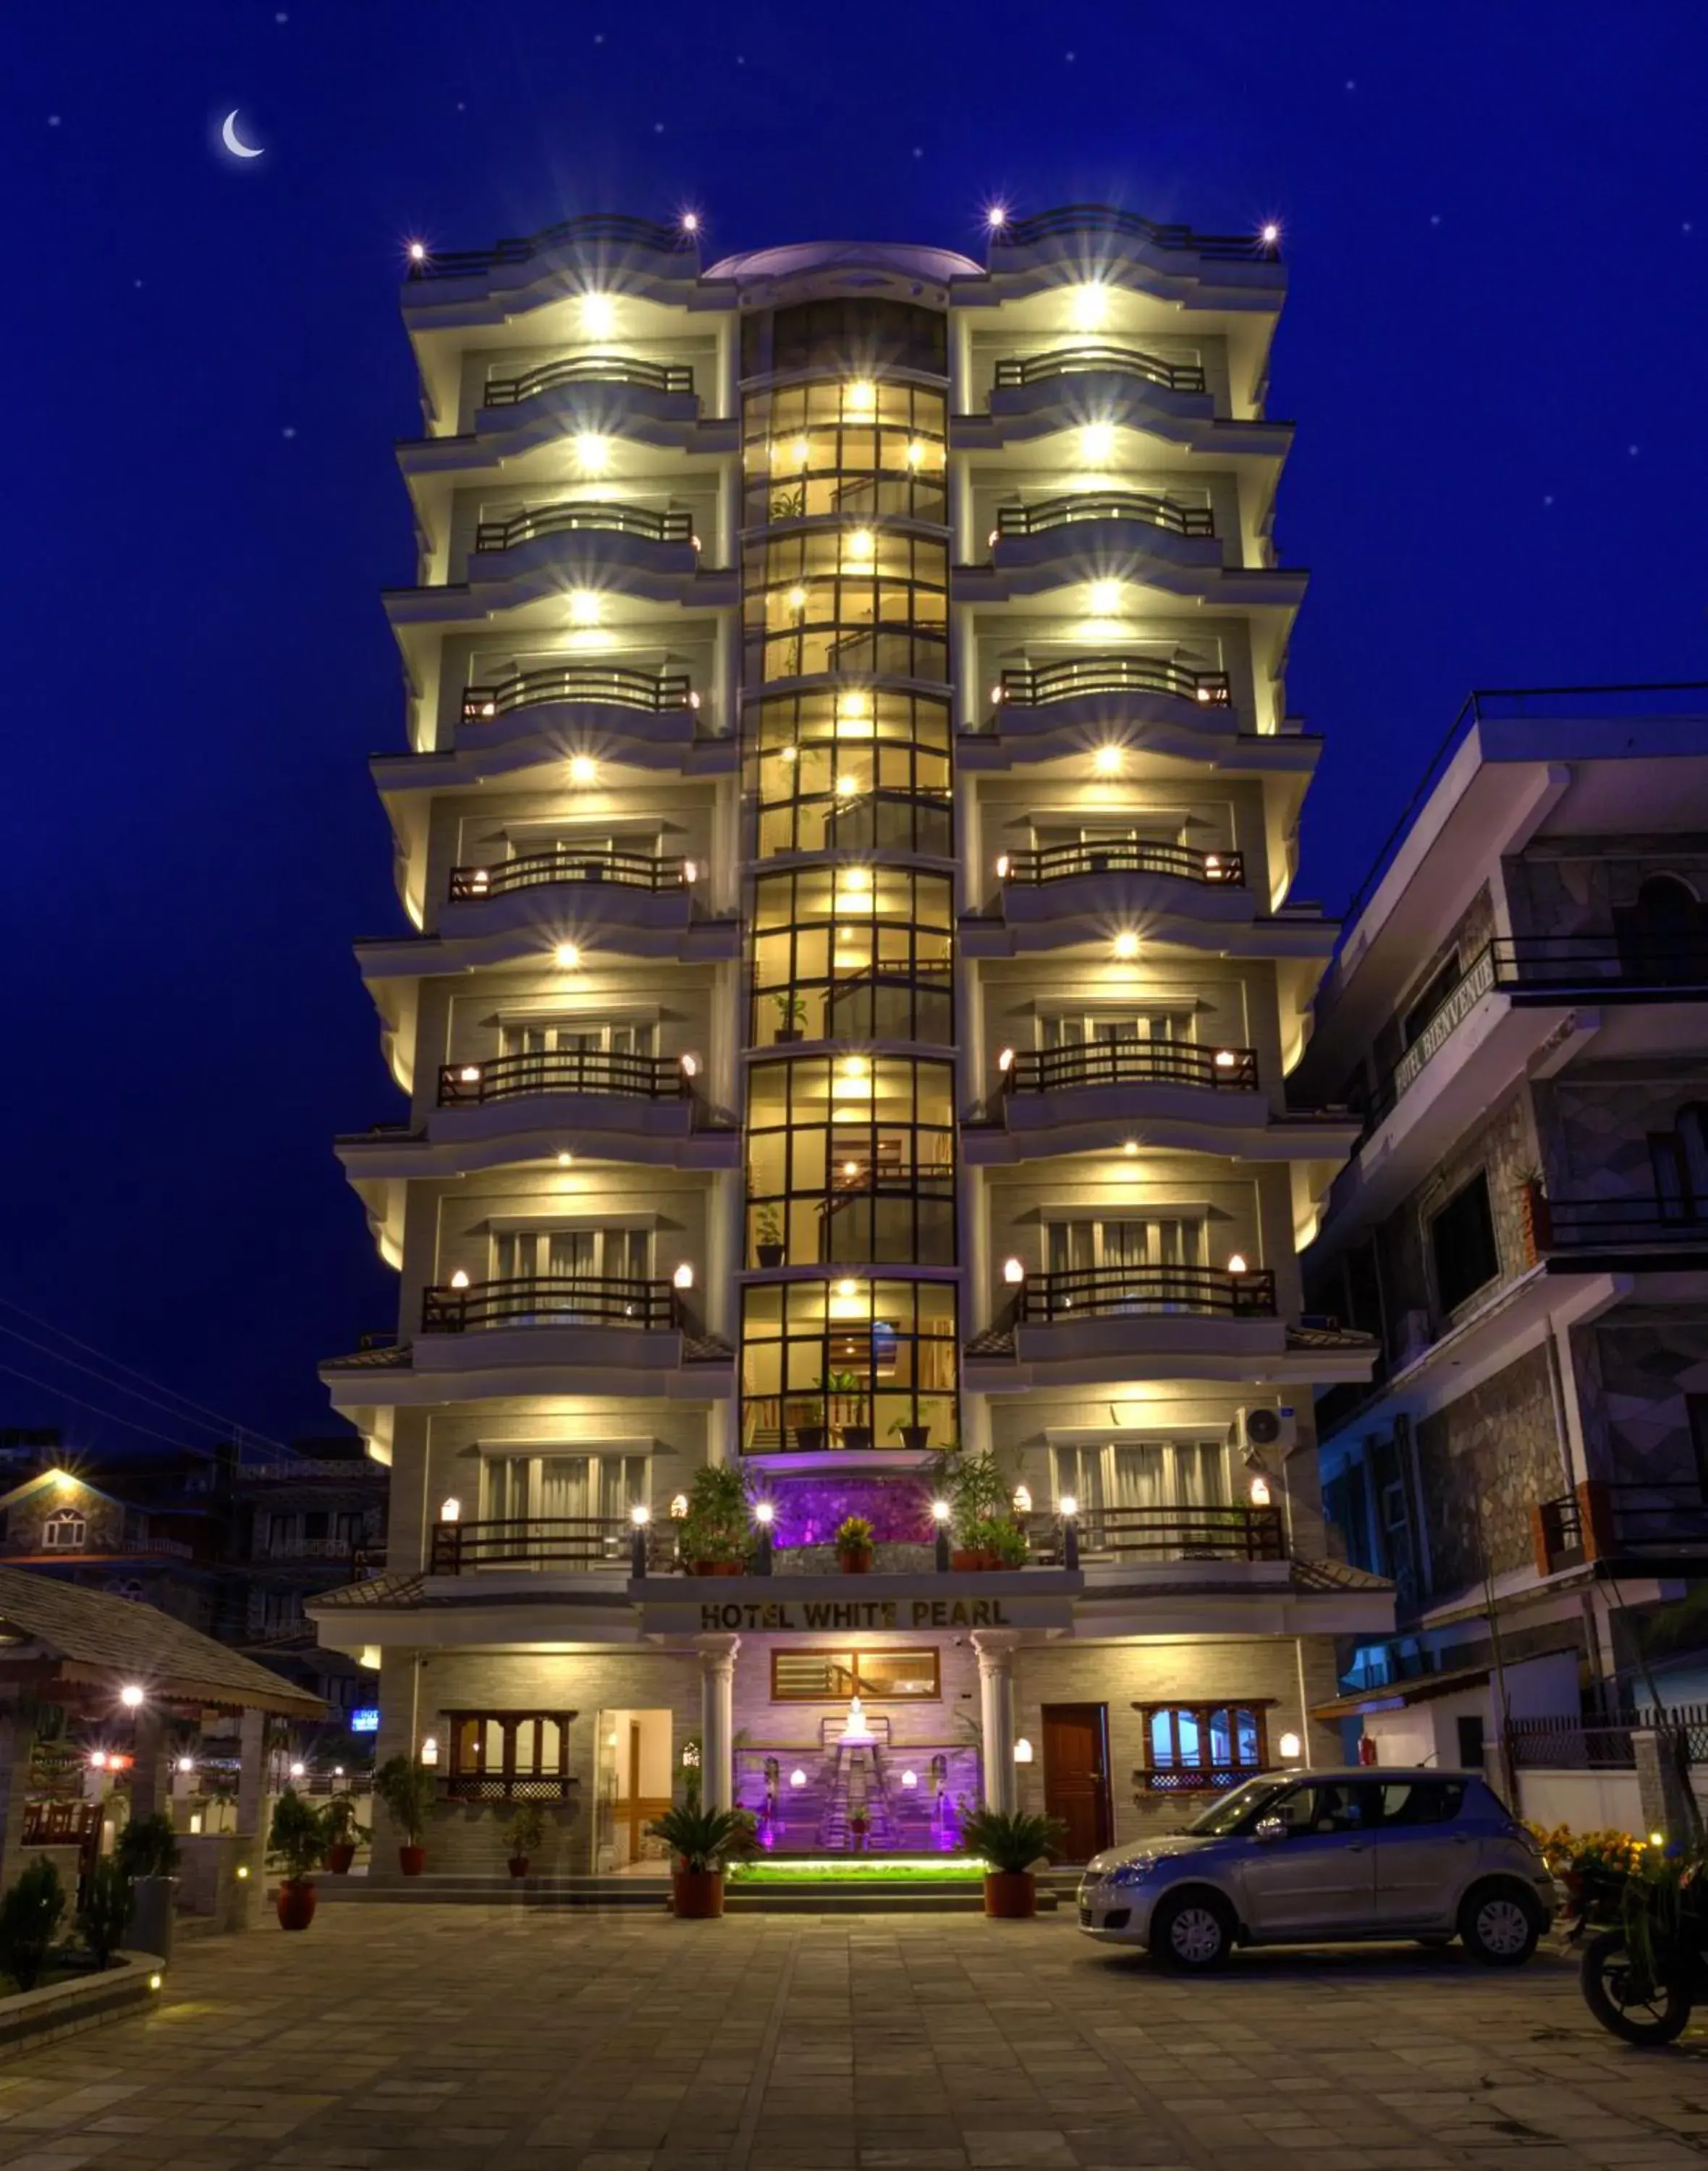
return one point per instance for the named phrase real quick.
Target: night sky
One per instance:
(1496, 219)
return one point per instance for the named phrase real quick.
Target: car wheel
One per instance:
(1194, 1931)
(1500, 1925)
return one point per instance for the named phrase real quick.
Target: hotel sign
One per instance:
(796, 1616)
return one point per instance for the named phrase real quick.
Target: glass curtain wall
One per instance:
(850, 1136)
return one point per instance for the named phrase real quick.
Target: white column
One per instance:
(717, 1719)
(996, 1650)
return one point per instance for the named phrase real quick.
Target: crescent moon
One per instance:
(233, 141)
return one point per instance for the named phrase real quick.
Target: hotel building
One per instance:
(846, 834)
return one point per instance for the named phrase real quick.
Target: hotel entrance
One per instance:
(633, 1773)
(1076, 1776)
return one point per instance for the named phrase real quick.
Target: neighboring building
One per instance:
(1518, 1012)
(66, 1524)
(847, 829)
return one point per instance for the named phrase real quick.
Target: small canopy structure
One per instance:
(61, 1644)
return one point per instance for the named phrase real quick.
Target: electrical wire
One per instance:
(130, 1424)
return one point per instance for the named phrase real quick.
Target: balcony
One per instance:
(582, 686)
(1050, 235)
(1019, 372)
(547, 1334)
(586, 516)
(565, 1070)
(646, 1109)
(639, 871)
(1079, 1293)
(550, 1301)
(1061, 895)
(1080, 507)
(588, 1543)
(1115, 1062)
(479, 287)
(631, 902)
(1637, 967)
(1104, 687)
(1181, 1533)
(1583, 1231)
(669, 380)
(1625, 1524)
(1057, 863)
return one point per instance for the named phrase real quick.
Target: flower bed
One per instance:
(78, 2000)
(869, 1869)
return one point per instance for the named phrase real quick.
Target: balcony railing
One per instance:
(1184, 1533)
(1106, 218)
(1620, 1520)
(575, 1541)
(626, 870)
(1587, 1224)
(1124, 1292)
(563, 1070)
(1082, 504)
(1080, 675)
(1130, 1063)
(587, 369)
(600, 229)
(550, 1301)
(306, 1549)
(1137, 855)
(608, 518)
(1636, 964)
(654, 691)
(1017, 371)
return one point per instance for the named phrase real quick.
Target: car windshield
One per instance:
(1227, 1814)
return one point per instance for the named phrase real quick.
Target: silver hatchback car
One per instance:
(1322, 1857)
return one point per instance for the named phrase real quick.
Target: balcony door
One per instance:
(574, 1268)
(572, 1056)
(1114, 1266)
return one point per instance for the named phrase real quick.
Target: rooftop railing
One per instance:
(624, 870)
(604, 516)
(1122, 1292)
(1082, 505)
(1108, 218)
(604, 229)
(1017, 371)
(1634, 964)
(550, 1300)
(1123, 855)
(564, 1070)
(1580, 1224)
(587, 369)
(1035, 688)
(1130, 1063)
(611, 684)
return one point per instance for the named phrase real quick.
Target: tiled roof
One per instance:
(103, 1639)
(397, 1589)
(706, 1349)
(1335, 1575)
(1328, 1338)
(391, 1357)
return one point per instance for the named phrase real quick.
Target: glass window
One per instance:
(1326, 1808)
(1421, 1801)
(848, 599)
(859, 769)
(833, 1676)
(497, 1754)
(1191, 1746)
(1462, 1241)
(852, 952)
(854, 446)
(818, 1357)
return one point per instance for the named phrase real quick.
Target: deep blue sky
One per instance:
(1496, 219)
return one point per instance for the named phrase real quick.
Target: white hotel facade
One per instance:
(845, 836)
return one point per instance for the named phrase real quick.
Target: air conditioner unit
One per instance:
(1266, 1431)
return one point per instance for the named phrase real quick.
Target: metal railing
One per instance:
(1184, 1533)
(608, 229)
(1130, 1063)
(605, 517)
(1035, 688)
(585, 1541)
(1015, 372)
(626, 870)
(1603, 963)
(1565, 1745)
(563, 1070)
(1120, 1292)
(550, 1300)
(1137, 856)
(611, 684)
(1082, 504)
(587, 369)
(1107, 218)
(1577, 1225)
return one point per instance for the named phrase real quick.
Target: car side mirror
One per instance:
(1271, 1828)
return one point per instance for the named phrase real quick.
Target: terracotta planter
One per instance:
(858, 1437)
(854, 1560)
(810, 1439)
(1010, 1894)
(973, 1563)
(412, 1860)
(770, 1254)
(697, 1895)
(339, 1858)
(719, 1567)
(517, 1865)
(296, 1904)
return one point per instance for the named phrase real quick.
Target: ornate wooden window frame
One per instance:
(1179, 1779)
(521, 1776)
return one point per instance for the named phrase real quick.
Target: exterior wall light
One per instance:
(1096, 441)
(1126, 946)
(797, 1778)
(683, 1278)
(1070, 1506)
(417, 252)
(584, 606)
(582, 769)
(846, 1286)
(599, 315)
(592, 453)
(1260, 1492)
(940, 1511)
(690, 222)
(299, 1771)
(996, 218)
(430, 1749)
(691, 1066)
(1107, 761)
(565, 1160)
(155, 1981)
(97, 1759)
(459, 1280)
(1022, 1500)
(862, 544)
(567, 955)
(916, 453)
(243, 1869)
(1236, 1264)
(1225, 1059)
(1005, 1059)
(862, 396)
(1104, 596)
(640, 1515)
(186, 1763)
(1130, 1148)
(910, 1778)
(470, 1075)
(1013, 1272)
(1022, 1750)
(450, 1509)
(1003, 864)
(1289, 1745)
(678, 1508)
(131, 1696)
(1269, 234)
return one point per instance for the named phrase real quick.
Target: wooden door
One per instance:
(1076, 1777)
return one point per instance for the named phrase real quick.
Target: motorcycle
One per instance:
(1642, 1979)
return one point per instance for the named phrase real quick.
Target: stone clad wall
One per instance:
(1483, 1463)
(1576, 890)
(1633, 1377)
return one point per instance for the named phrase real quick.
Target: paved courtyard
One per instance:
(452, 2039)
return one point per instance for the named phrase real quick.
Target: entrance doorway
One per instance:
(634, 1772)
(1076, 1777)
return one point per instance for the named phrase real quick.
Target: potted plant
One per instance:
(791, 1010)
(851, 1387)
(810, 1437)
(981, 1514)
(342, 1832)
(29, 1913)
(854, 1539)
(524, 1835)
(859, 1824)
(716, 1530)
(405, 1786)
(913, 1437)
(148, 1853)
(700, 1842)
(1010, 1840)
(768, 1236)
(297, 1842)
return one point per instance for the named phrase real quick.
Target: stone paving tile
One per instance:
(428, 2039)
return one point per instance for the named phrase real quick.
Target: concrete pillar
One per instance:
(1662, 1786)
(17, 1739)
(996, 1650)
(250, 1846)
(150, 1773)
(717, 1719)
